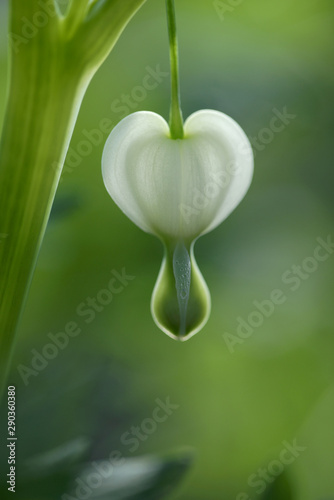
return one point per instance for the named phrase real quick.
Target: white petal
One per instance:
(229, 163)
(177, 189)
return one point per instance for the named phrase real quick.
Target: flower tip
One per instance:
(181, 301)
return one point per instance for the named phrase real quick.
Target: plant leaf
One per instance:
(142, 478)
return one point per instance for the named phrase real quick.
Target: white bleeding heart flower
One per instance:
(178, 190)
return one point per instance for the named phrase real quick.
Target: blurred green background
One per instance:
(236, 408)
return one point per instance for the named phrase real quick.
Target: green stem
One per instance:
(175, 119)
(76, 13)
(50, 70)
(33, 149)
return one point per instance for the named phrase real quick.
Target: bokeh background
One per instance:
(235, 408)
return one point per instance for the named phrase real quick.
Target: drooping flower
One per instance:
(178, 189)
(178, 181)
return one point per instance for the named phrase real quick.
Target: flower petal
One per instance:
(177, 189)
(227, 159)
(181, 300)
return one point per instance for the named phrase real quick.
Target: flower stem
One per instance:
(32, 153)
(175, 119)
(76, 13)
(50, 71)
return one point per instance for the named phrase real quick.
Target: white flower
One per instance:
(178, 189)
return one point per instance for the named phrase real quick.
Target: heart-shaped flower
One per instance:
(178, 189)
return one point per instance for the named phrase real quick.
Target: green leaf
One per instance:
(47, 475)
(142, 478)
(105, 21)
(58, 458)
(61, 474)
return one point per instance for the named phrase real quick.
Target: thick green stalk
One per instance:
(42, 109)
(50, 72)
(34, 146)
